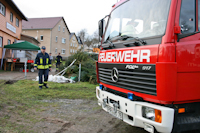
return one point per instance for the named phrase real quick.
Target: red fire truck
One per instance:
(149, 64)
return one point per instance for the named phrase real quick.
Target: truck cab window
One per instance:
(141, 21)
(115, 28)
(187, 16)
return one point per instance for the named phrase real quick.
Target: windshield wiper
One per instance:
(138, 42)
(111, 45)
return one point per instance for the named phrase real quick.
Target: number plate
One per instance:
(117, 113)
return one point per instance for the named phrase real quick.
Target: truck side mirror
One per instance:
(101, 26)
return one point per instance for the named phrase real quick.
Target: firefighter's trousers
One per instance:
(42, 72)
(57, 66)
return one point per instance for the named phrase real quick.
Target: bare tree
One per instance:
(95, 37)
(82, 34)
(88, 39)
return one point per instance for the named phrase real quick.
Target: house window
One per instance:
(63, 40)
(71, 50)
(75, 50)
(1, 41)
(59, 28)
(41, 38)
(11, 17)
(71, 44)
(9, 42)
(17, 22)
(56, 38)
(63, 29)
(63, 51)
(2, 9)
(56, 50)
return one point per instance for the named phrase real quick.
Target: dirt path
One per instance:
(80, 116)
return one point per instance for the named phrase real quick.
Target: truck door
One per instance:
(188, 50)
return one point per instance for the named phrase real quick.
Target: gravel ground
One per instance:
(80, 116)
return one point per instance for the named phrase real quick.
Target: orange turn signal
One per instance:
(158, 116)
(181, 110)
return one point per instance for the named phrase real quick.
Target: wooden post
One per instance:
(5, 65)
(11, 66)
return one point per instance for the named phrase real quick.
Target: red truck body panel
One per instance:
(177, 63)
(161, 69)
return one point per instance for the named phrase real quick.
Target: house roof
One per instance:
(71, 35)
(42, 23)
(79, 40)
(31, 38)
(16, 9)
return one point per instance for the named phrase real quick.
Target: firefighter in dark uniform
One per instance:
(43, 64)
(58, 61)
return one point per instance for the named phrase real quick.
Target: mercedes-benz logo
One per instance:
(115, 75)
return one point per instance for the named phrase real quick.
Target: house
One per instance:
(28, 54)
(10, 25)
(52, 33)
(74, 44)
(30, 39)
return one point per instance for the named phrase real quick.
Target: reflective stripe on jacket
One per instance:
(58, 59)
(42, 61)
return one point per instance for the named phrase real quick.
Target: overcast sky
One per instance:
(78, 14)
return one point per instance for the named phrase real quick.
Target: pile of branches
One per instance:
(88, 67)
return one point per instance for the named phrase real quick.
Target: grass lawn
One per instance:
(22, 97)
(28, 90)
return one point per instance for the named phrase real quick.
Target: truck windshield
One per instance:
(138, 18)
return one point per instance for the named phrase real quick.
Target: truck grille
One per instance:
(138, 79)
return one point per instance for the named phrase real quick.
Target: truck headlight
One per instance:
(148, 113)
(152, 114)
